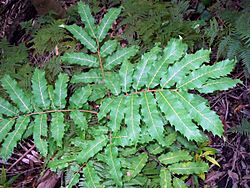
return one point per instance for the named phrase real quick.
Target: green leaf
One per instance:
(80, 59)
(13, 137)
(174, 50)
(133, 117)
(91, 178)
(74, 180)
(198, 77)
(121, 138)
(39, 89)
(155, 149)
(93, 76)
(176, 114)
(57, 127)
(80, 97)
(218, 85)
(151, 117)
(178, 183)
(116, 114)
(142, 69)
(107, 22)
(40, 132)
(83, 37)
(174, 157)
(119, 56)
(111, 154)
(79, 120)
(7, 109)
(108, 48)
(60, 91)
(126, 72)
(165, 178)
(51, 96)
(87, 18)
(98, 92)
(5, 127)
(16, 94)
(105, 107)
(181, 68)
(189, 168)
(92, 147)
(137, 164)
(200, 112)
(112, 82)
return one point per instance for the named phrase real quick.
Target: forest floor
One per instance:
(233, 149)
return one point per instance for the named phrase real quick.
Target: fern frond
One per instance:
(181, 68)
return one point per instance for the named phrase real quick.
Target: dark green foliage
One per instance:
(235, 42)
(14, 61)
(157, 21)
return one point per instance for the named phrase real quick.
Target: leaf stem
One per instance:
(100, 59)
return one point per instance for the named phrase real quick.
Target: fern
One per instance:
(157, 21)
(236, 40)
(146, 111)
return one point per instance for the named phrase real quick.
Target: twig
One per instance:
(17, 161)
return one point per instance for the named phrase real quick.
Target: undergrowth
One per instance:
(149, 128)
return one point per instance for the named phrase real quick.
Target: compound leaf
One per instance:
(176, 114)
